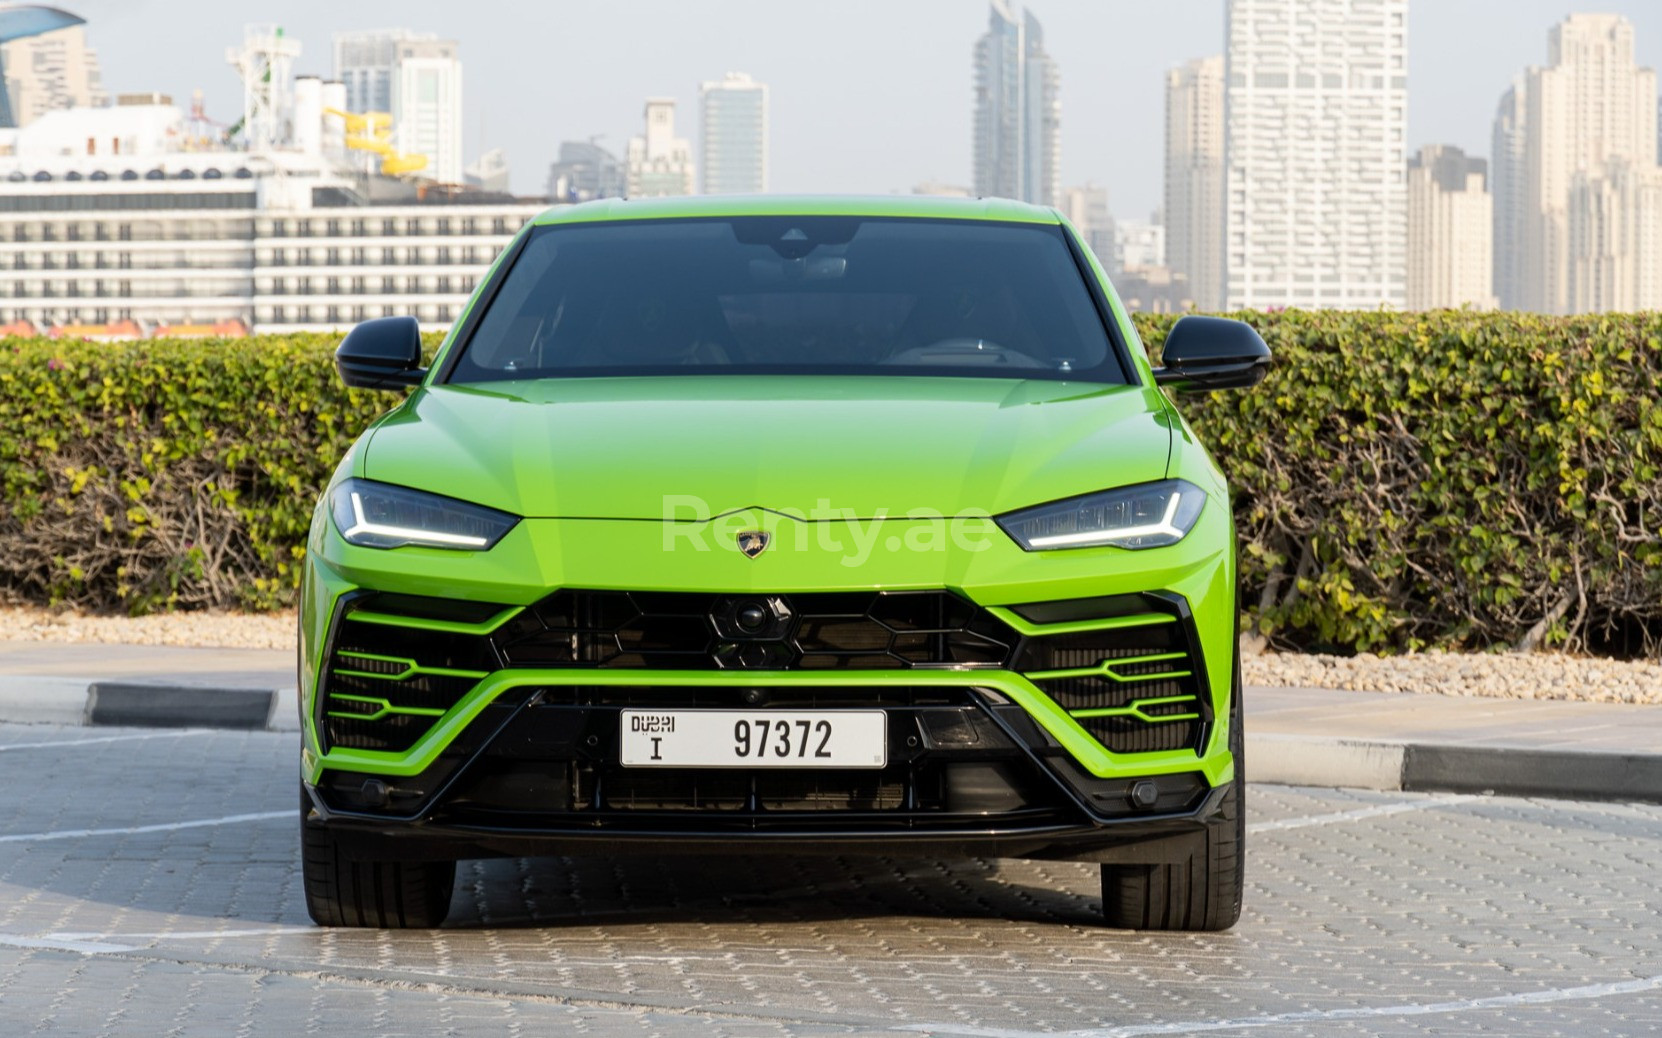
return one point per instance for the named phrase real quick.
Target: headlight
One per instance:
(380, 515)
(1151, 515)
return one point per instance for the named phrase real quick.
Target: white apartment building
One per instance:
(1450, 231)
(1194, 211)
(1576, 141)
(1086, 207)
(109, 224)
(1615, 239)
(53, 70)
(734, 137)
(427, 106)
(659, 163)
(416, 77)
(1316, 121)
(1139, 244)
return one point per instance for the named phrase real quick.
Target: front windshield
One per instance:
(796, 295)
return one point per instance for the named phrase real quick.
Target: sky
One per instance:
(867, 95)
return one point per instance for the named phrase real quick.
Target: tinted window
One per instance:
(838, 295)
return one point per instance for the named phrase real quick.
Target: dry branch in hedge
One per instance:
(1402, 480)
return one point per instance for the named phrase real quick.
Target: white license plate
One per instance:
(754, 738)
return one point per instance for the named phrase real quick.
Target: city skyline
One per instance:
(1313, 172)
(822, 139)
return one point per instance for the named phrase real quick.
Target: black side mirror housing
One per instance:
(1204, 353)
(384, 353)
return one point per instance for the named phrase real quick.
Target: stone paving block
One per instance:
(1446, 900)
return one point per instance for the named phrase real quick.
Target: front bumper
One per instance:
(1087, 715)
(968, 773)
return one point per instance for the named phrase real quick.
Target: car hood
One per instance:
(821, 447)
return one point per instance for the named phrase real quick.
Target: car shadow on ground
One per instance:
(770, 889)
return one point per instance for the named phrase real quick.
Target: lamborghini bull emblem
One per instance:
(754, 542)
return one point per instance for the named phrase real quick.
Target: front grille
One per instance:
(1136, 688)
(386, 684)
(823, 631)
(398, 663)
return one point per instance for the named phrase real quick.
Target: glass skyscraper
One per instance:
(735, 135)
(1018, 142)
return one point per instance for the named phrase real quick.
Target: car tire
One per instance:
(393, 895)
(1201, 891)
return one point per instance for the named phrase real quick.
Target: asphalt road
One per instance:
(149, 886)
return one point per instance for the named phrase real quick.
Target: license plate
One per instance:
(754, 739)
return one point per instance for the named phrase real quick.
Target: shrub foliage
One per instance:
(1448, 478)
(1402, 480)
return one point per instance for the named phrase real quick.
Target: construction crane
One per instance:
(372, 132)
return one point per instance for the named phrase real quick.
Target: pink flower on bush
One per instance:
(54, 365)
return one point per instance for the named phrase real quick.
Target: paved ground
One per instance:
(148, 886)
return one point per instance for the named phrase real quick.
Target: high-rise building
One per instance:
(1086, 208)
(1615, 239)
(367, 62)
(1506, 185)
(1139, 244)
(659, 162)
(50, 71)
(1316, 100)
(1450, 231)
(586, 171)
(1583, 130)
(734, 157)
(1194, 213)
(416, 77)
(1018, 110)
(427, 106)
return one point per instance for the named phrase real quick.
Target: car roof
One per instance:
(692, 206)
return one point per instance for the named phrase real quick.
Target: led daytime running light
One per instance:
(361, 525)
(1164, 526)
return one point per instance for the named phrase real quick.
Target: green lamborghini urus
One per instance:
(779, 525)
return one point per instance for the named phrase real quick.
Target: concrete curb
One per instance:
(27, 699)
(1306, 760)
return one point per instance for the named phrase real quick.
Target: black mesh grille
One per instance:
(1158, 676)
(1131, 735)
(669, 697)
(684, 631)
(1102, 693)
(427, 647)
(612, 788)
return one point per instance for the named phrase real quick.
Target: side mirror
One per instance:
(381, 354)
(1204, 353)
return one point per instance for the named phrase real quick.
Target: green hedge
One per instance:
(167, 474)
(1403, 480)
(1448, 478)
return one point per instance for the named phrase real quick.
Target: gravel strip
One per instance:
(1494, 675)
(1497, 675)
(201, 630)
